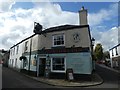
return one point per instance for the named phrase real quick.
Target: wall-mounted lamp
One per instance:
(93, 41)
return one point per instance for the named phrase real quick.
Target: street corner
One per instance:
(95, 80)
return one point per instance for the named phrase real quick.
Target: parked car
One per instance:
(101, 62)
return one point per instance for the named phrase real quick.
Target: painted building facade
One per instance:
(55, 50)
(6, 58)
(115, 56)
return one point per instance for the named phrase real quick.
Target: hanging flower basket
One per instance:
(22, 57)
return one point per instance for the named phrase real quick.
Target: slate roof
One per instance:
(63, 27)
(114, 46)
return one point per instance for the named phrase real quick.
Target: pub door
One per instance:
(42, 64)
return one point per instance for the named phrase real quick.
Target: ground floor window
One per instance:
(25, 62)
(58, 64)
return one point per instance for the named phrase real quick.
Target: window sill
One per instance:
(57, 71)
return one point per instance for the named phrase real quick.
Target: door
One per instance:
(42, 64)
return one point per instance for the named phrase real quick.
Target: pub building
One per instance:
(53, 51)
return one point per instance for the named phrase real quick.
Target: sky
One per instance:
(17, 20)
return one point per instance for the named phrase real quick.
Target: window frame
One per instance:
(112, 53)
(11, 52)
(14, 51)
(53, 37)
(116, 51)
(58, 71)
(26, 46)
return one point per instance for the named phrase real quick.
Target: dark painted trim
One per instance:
(64, 50)
(114, 47)
(58, 50)
(63, 28)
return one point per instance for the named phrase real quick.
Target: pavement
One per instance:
(96, 80)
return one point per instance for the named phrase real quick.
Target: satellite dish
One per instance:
(37, 28)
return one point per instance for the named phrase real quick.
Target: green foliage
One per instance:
(106, 54)
(98, 52)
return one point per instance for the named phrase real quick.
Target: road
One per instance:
(110, 77)
(13, 79)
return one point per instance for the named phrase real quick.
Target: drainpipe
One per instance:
(30, 56)
(35, 57)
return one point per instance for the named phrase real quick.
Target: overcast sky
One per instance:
(16, 19)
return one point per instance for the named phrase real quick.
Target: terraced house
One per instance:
(55, 50)
(115, 56)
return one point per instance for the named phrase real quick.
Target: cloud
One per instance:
(103, 15)
(6, 6)
(17, 24)
(108, 38)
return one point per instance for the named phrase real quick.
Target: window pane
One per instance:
(58, 43)
(58, 67)
(58, 40)
(58, 64)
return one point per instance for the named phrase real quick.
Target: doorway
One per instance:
(42, 64)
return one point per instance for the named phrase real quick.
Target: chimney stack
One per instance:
(83, 16)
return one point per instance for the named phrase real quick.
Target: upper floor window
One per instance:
(11, 52)
(59, 40)
(116, 51)
(112, 53)
(17, 49)
(14, 51)
(26, 45)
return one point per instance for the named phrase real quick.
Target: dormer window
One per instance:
(58, 40)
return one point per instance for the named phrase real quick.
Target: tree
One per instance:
(106, 54)
(98, 52)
